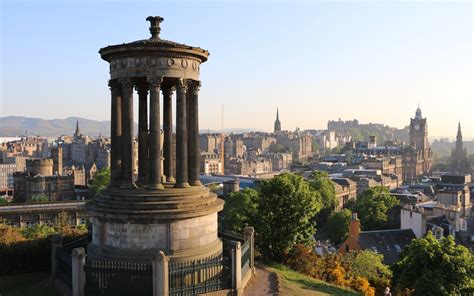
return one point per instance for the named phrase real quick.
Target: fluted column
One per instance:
(127, 132)
(193, 118)
(115, 133)
(168, 133)
(155, 135)
(142, 134)
(181, 136)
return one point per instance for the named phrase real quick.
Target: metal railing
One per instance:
(108, 277)
(64, 266)
(195, 277)
(245, 261)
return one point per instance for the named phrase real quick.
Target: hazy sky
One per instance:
(316, 61)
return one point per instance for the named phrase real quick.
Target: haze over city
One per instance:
(314, 61)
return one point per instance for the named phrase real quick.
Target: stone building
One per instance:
(346, 190)
(27, 215)
(210, 163)
(418, 157)
(38, 179)
(281, 161)
(6, 176)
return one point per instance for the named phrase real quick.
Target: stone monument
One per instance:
(158, 210)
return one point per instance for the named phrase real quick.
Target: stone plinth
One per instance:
(136, 224)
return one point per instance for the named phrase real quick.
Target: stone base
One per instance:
(135, 224)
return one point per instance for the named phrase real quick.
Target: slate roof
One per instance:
(390, 242)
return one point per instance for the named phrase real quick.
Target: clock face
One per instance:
(417, 127)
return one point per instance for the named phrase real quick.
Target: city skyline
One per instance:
(376, 65)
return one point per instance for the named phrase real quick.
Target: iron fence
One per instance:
(109, 277)
(199, 276)
(245, 258)
(64, 266)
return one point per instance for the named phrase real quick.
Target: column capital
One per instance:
(154, 81)
(182, 85)
(168, 90)
(195, 87)
(142, 89)
(127, 85)
(113, 84)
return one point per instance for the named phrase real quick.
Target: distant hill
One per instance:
(362, 131)
(14, 126)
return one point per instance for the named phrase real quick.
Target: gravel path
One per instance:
(263, 283)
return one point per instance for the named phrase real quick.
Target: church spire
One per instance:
(77, 133)
(459, 135)
(277, 125)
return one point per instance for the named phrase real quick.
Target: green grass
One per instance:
(294, 283)
(37, 283)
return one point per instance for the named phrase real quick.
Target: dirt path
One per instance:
(263, 283)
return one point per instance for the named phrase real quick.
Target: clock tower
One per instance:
(417, 157)
(419, 131)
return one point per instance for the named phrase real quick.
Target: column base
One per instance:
(182, 185)
(155, 186)
(170, 179)
(195, 183)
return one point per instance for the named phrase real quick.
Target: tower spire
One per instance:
(277, 125)
(278, 117)
(77, 133)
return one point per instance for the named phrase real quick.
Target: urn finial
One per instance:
(155, 26)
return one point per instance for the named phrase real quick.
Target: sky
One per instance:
(314, 60)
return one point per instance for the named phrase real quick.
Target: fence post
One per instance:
(160, 275)
(56, 242)
(249, 235)
(78, 274)
(236, 267)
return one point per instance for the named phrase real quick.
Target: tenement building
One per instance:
(417, 157)
(135, 218)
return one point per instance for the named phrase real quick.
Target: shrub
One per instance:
(362, 285)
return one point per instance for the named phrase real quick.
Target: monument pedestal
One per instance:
(135, 224)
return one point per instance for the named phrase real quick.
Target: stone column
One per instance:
(56, 242)
(194, 155)
(168, 133)
(249, 235)
(78, 274)
(142, 134)
(155, 135)
(127, 133)
(236, 266)
(116, 134)
(160, 275)
(181, 136)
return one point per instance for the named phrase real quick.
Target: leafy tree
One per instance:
(240, 210)
(100, 181)
(286, 209)
(39, 198)
(338, 225)
(431, 267)
(277, 148)
(37, 232)
(372, 207)
(320, 182)
(368, 264)
(3, 202)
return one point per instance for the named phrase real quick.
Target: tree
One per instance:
(100, 181)
(431, 267)
(338, 225)
(372, 207)
(320, 182)
(39, 198)
(240, 210)
(37, 232)
(286, 210)
(368, 264)
(277, 148)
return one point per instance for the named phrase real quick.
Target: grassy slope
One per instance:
(294, 283)
(37, 284)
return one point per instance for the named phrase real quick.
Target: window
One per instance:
(374, 249)
(30, 223)
(398, 249)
